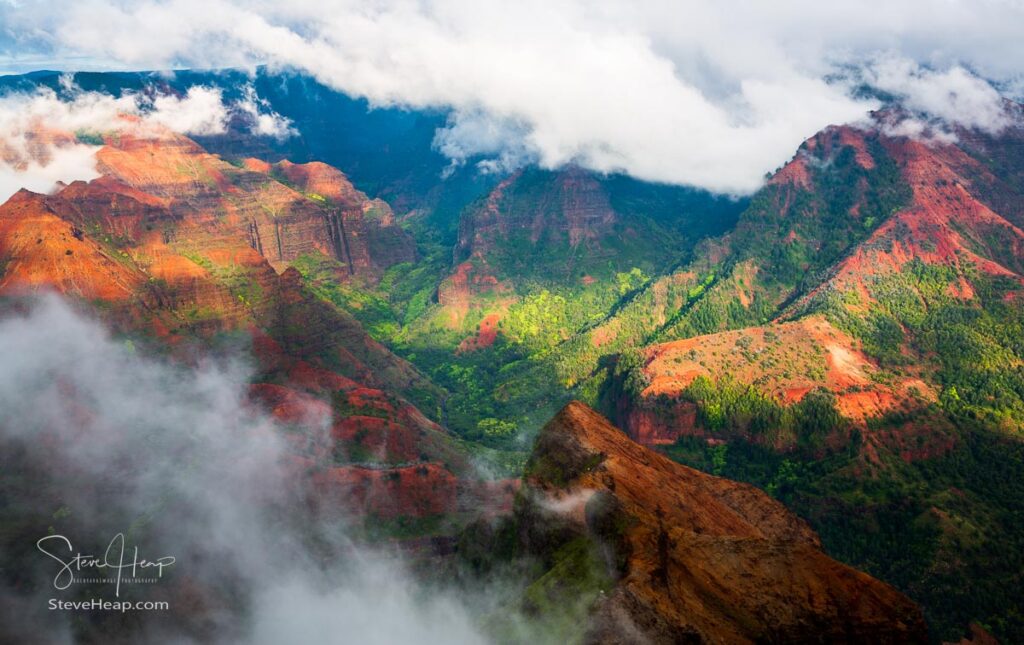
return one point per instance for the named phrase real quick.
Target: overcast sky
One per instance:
(713, 94)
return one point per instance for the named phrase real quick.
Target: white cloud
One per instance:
(472, 133)
(38, 143)
(263, 121)
(951, 97)
(200, 112)
(65, 164)
(688, 91)
(377, 608)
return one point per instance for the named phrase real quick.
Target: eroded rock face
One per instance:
(160, 246)
(40, 250)
(957, 220)
(531, 223)
(947, 223)
(364, 231)
(568, 206)
(283, 211)
(697, 558)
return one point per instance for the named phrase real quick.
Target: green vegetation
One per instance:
(975, 346)
(561, 597)
(89, 137)
(558, 291)
(238, 279)
(733, 410)
(572, 309)
(947, 531)
(369, 307)
(780, 253)
(948, 528)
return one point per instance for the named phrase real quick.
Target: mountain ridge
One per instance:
(847, 339)
(691, 554)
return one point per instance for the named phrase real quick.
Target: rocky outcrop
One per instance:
(692, 557)
(366, 236)
(196, 240)
(122, 212)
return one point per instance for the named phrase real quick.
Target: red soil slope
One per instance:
(698, 558)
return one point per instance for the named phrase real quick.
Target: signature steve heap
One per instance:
(117, 559)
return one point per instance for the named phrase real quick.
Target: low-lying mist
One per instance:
(96, 440)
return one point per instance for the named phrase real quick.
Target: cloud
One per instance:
(64, 164)
(200, 112)
(38, 146)
(940, 99)
(47, 138)
(98, 439)
(262, 119)
(568, 504)
(377, 608)
(475, 133)
(706, 93)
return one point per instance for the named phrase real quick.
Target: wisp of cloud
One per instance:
(41, 132)
(96, 439)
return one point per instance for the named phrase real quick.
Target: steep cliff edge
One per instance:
(691, 557)
(283, 211)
